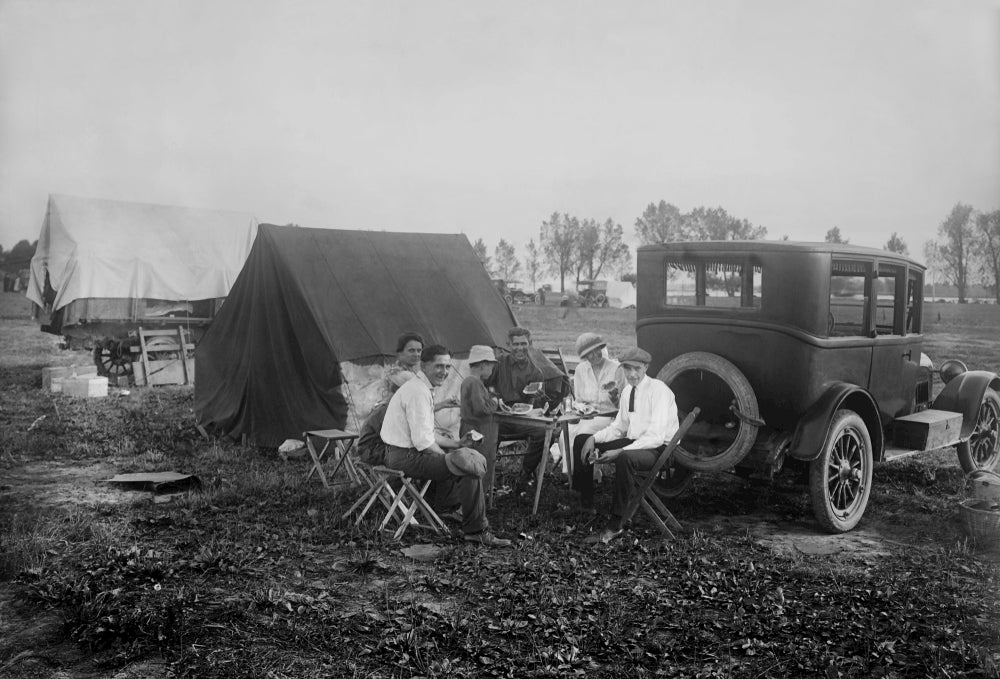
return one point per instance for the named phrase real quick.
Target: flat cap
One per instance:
(635, 356)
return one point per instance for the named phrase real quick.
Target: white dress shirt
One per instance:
(652, 424)
(409, 418)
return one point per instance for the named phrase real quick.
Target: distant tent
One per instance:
(308, 301)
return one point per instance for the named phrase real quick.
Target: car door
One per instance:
(895, 350)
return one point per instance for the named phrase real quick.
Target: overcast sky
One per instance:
(485, 118)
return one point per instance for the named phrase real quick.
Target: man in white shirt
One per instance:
(414, 448)
(646, 420)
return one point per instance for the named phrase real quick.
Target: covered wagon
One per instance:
(104, 268)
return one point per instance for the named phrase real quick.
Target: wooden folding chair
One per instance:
(402, 505)
(342, 442)
(645, 497)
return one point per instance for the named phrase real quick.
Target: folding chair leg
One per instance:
(656, 518)
(644, 489)
(668, 517)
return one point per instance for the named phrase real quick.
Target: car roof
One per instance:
(775, 247)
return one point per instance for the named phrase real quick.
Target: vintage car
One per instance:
(810, 352)
(592, 293)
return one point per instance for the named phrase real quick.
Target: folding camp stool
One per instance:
(401, 505)
(644, 496)
(342, 442)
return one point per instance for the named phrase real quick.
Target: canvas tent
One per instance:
(314, 308)
(105, 249)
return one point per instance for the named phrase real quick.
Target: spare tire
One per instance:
(729, 420)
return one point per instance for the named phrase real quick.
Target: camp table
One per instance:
(550, 425)
(342, 442)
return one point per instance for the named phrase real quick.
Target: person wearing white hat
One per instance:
(646, 420)
(477, 406)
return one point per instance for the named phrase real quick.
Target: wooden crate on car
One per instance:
(927, 429)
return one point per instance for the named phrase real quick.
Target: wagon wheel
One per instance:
(162, 349)
(113, 358)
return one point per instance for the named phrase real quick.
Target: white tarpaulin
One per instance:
(95, 248)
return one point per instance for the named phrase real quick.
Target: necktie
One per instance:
(631, 400)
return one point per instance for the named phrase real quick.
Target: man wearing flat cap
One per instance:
(646, 420)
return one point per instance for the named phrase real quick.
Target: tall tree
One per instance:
(558, 238)
(952, 252)
(505, 261)
(833, 236)
(610, 254)
(480, 249)
(717, 224)
(533, 264)
(988, 232)
(659, 223)
(896, 244)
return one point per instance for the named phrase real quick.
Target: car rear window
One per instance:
(713, 283)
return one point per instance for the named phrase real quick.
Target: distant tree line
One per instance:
(18, 257)
(967, 250)
(570, 247)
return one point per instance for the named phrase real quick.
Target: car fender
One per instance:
(964, 393)
(813, 428)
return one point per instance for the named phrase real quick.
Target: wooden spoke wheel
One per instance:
(113, 358)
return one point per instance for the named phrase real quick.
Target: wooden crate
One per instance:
(927, 430)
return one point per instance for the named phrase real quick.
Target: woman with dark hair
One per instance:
(407, 365)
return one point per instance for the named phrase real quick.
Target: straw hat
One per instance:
(587, 342)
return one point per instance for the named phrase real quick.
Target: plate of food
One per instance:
(521, 408)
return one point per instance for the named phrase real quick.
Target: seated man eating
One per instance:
(413, 447)
(646, 420)
(514, 372)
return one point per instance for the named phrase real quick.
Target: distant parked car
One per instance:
(811, 352)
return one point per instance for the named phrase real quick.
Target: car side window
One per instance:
(849, 299)
(713, 283)
(914, 301)
(888, 301)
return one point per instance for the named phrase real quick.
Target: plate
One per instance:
(521, 408)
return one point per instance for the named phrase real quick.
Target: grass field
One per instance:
(256, 576)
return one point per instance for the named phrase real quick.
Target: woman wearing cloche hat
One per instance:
(597, 382)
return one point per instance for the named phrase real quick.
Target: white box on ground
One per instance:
(85, 386)
(56, 372)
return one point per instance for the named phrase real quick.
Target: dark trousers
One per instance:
(451, 489)
(536, 441)
(626, 466)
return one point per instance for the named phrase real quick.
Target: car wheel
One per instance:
(982, 450)
(673, 480)
(840, 479)
(729, 418)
